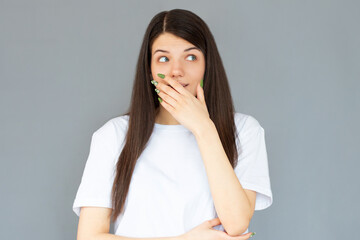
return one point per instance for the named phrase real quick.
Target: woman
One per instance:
(181, 163)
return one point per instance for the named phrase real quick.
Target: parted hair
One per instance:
(144, 100)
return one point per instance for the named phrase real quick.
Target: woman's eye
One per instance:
(192, 56)
(161, 58)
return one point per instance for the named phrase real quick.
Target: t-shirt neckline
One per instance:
(165, 127)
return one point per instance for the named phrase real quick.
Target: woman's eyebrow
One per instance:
(186, 50)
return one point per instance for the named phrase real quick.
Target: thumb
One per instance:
(214, 222)
(200, 93)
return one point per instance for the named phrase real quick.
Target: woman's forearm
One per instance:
(108, 236)
(230, 199)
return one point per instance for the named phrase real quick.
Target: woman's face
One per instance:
(172, 57)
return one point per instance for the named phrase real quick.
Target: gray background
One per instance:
(66, 67)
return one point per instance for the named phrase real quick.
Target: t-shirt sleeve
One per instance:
(252, 169)
(99, 172)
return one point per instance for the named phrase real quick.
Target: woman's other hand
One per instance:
(205, 231)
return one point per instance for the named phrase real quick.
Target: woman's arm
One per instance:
(94, 224)
(231, 201)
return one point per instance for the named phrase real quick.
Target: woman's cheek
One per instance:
(159, 69)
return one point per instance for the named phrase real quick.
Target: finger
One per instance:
(174, 84)
(163, 92)
(167, 106)
(162, 86)
(200, 93)
(213, 222)
(244, 236)
(223, 235)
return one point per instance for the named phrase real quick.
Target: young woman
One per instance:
(181, 163)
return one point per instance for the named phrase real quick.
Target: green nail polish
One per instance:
(154, 82)
(202, 83)
(160, 100)
(157, 90)
(161, 75)
(252, 234)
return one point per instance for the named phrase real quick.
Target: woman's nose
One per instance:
(176, 69)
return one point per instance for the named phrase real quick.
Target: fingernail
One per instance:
(161, 75)
(202, 83)
(157, 90)
(252, 234)
(154, 82)
(160, 100)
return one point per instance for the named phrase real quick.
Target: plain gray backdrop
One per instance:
(66, 67)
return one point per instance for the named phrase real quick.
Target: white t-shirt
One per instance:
(169, 192)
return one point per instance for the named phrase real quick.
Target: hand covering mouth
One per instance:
(184, 85)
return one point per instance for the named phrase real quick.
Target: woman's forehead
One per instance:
(169, 42)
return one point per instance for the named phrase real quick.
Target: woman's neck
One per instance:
(164, 117)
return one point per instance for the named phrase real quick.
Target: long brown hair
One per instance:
(144, 100)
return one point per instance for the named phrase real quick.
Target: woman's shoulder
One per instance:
(120, 122)
(246, 122)
(112, 129)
